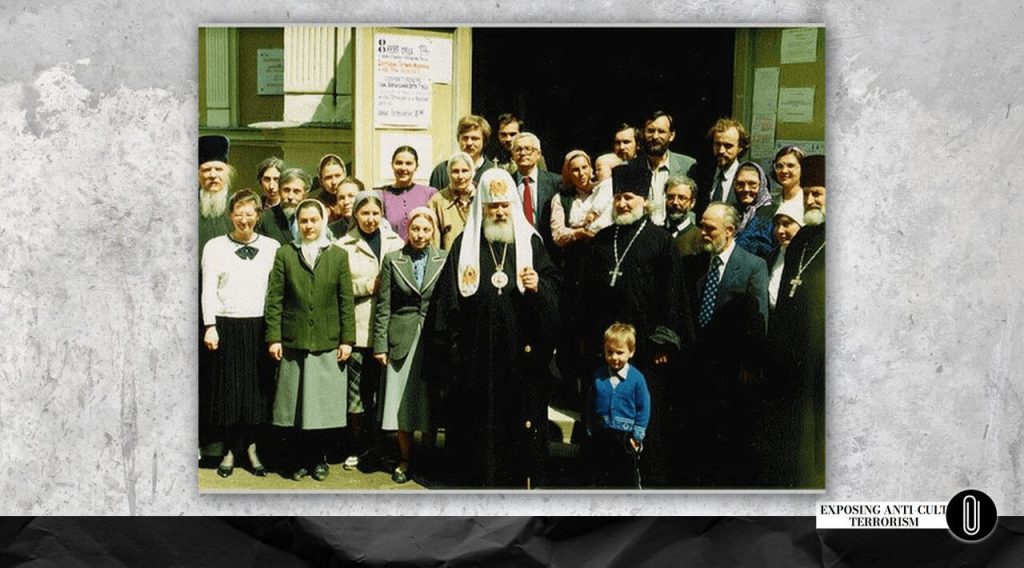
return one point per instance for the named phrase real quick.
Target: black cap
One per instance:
(633, 177)
(812, 171)
(213, 148)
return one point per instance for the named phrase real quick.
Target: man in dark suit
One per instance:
(510, 126)
(658, 133)
(278, 221)
(729, 141)
(729, 291)
(679, 199)
(536, 186)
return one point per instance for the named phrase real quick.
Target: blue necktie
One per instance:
(707, 298)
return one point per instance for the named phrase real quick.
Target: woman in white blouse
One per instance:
(577, 214)
(236, 268)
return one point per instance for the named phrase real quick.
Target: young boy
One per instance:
(618, 411)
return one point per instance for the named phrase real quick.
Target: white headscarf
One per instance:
(495, 185)
(310, 251)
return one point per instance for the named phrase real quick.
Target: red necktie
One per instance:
(527, 200)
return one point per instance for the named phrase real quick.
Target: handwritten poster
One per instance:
(762, 128)
(796, 104)
(441, 59)
(799, 45)
(402, 78)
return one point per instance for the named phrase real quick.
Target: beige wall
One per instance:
(328, 102)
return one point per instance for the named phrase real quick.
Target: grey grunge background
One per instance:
(98, 273)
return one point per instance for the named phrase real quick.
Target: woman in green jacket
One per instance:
(310, 330)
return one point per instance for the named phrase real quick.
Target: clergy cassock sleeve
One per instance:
(441, 326)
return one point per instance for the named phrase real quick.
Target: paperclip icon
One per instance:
(972, 515)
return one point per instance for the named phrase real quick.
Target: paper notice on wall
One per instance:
(441, 59)
(269, 71)
(796, 104)
(762, 136)
(766, 89)
(799, 45)
(390, 141)
(402, 77)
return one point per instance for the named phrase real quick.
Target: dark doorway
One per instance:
(574, 86)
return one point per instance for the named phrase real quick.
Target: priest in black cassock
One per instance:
(214, 189)
(633, 274)
(796, 338)
(490, 334)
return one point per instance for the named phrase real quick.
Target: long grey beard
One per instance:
(212, 204)
(499, 232)
(627, 218)
(814, 217)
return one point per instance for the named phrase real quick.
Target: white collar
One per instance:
(621, 373)
(729, 172)
(532, 175)
(686, 223)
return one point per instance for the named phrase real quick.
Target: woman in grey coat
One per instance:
(407, 280)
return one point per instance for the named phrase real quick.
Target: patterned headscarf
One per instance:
(764, 196)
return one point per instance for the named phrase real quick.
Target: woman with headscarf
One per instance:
(451, 204)
(789, 219)
(235, 268)
(311, 329)
(330, 173)
(578, 212)
(404, 194)
(786, 171)
(407, 281)
(754, 203)
(366, 243)
(582, 208)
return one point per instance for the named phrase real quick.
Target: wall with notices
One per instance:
(780, 88)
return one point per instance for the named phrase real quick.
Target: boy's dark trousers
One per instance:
(611, 459)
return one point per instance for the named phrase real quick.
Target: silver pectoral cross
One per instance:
(615, 274)
(793, 284)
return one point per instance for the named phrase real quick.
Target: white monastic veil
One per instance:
(495, 185)
(324, 241)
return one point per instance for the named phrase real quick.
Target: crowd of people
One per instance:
(682, 320)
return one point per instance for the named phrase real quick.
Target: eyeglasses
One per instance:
(524, 150)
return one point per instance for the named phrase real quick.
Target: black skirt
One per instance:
(241, 374)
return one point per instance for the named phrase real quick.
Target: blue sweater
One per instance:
(626, 408)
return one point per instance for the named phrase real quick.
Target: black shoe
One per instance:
(320, 471)
(259, 471)
(400, 476)
(225, 470)
(299, 474)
